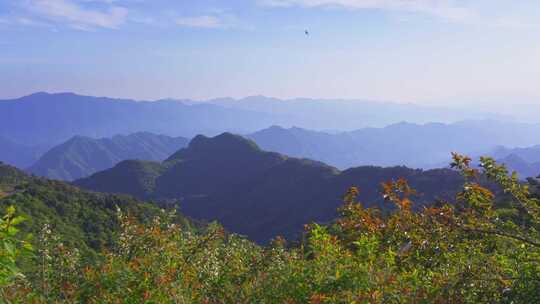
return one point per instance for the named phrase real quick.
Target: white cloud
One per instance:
(212, 19)
(78, 16)
(200, 21)
(486, 13)
(440, 8)
(10, 21)
(28, 22)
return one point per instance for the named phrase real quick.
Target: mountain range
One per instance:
(81, 156)
(429, 147)
(43, 118)
(525, 161)
(257, 193)
(348, 114)
(54, 118)
(80, 123)
(413, 145)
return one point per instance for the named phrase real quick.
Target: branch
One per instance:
(504, 234)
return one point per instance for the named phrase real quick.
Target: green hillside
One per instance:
(256, 193)
(81, 156)
(82, 219)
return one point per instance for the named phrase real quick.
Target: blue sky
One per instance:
(423, 51)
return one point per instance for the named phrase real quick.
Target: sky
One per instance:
(421, 51)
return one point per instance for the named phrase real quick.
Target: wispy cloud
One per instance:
(476, 13)
(201, 21)
(10, 21)
(77, 15)
(213, 19)
(440, 8)
(28, 22)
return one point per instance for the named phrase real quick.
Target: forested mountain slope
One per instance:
(81, 219)
(260, 194)
(82, 156)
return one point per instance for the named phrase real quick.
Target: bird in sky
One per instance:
(307, 32)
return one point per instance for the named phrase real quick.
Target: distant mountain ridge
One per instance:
(82, 156)
(525, 161)
(53, 118)
(31, 123)
(414, 145)
(257, 193)
(347, 114)
(529, 154)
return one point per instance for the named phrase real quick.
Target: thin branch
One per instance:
(504, 234)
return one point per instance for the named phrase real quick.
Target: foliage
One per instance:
(9, 178)
(12, 248)
(465, 251)
(81, 219)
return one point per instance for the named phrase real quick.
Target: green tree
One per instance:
(12, 248)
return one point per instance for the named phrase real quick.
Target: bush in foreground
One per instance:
(476, 249)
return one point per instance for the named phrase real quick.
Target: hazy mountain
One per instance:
(47, 119)
(338, 114)
(414, 145)
(528, 154)
(257, 193)
(19, 155)
(81, 156)
(525, 169)
(335, 149)
(54, 118)
(525, 161)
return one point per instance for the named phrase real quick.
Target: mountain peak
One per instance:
(274, 128)
(77, 138)
(224, 144)
(46, 94)
(514, 159)
(225, 140)
(82, 156)
(38, 94)
(259, 98)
